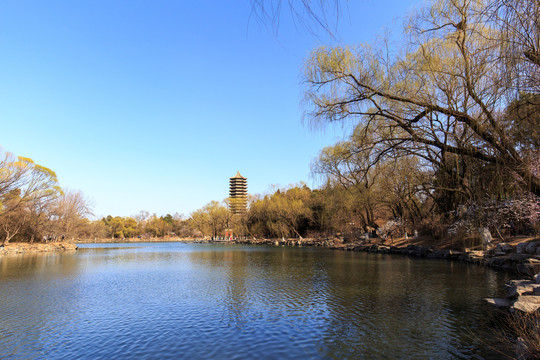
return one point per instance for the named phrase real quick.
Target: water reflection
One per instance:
(207, 301)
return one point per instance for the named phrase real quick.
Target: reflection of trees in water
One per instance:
(396, 306)
(236, 301)
(267, 284)
(43, 264)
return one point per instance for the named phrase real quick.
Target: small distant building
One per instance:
(238, 194)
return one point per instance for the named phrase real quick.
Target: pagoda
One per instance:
(238, 193)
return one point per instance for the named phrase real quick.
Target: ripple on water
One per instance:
(206, 302)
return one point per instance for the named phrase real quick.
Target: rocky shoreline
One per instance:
(521, 295)
(25, 248)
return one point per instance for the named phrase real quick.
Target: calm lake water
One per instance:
(195, 301)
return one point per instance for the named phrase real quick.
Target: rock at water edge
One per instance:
(531, 248)
(515, 288)
(527, 304)
(500, 302)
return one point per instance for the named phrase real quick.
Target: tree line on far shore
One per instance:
(34, 208)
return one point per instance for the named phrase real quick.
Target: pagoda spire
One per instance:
(238, 193)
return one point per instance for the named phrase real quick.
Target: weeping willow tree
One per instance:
(443, 98)
(284, 213)
(309, 14)
(27, 190)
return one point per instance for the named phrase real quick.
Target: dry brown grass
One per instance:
(521, 332)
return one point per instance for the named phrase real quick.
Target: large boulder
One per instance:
(530, 248)
(515, 288)
(507, 248)
(520, 248)
(519, 257)
(435, 254)
(504, 248)
(416, 250)
(421, 251)
(502, 262)
(527, 304)
(529, 267)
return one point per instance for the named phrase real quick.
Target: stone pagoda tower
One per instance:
(238, 193)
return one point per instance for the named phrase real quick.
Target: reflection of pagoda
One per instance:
(238, 193)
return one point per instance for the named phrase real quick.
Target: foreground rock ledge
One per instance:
(522, 295)
(25, 248)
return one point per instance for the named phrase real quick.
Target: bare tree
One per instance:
(444, 95)
(519, 40)
(309, 14)
(68, 214)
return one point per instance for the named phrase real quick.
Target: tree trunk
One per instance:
(8, 238)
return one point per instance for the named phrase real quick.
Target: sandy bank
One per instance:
(23, 248)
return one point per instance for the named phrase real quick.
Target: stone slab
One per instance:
(527, 304)
(500, 302)
(515, 288)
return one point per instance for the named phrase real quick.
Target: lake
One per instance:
(201, 301)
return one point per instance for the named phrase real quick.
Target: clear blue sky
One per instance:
(153, 105)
